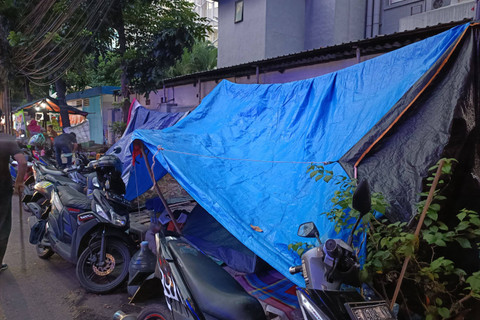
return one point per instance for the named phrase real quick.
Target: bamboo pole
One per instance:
(157, 189)
(417, 230)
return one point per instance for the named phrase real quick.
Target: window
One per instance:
(238, 11)
(83, 103)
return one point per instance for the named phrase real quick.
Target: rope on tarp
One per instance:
(160, 148)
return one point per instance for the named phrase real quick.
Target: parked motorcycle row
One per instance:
(80, 214)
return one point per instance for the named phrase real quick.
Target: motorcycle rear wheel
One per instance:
(154, 312)
(103, 279)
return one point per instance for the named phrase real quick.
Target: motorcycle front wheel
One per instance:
(98, 278)
(154, 312)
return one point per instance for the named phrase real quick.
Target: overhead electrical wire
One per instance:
(42, 52)
(47, 65)
(28, 51)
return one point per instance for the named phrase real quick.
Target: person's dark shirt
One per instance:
(8, 148)
(65, 139)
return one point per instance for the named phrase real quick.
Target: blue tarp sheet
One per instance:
(142, 118)
(243, 153)
(213, 239)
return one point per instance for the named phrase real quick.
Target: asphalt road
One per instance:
(32, 288)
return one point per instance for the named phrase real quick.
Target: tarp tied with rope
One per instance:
(244, 151)
(141, 118)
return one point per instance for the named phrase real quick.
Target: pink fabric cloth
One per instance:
(130, 110)
(33, 127)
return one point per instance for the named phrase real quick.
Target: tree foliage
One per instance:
(202, 57)
(90, 42)
(158, 40)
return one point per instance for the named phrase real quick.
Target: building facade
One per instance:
(251, 30)
(208, 9)
(99, 102)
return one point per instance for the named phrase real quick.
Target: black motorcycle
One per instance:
(192, 285)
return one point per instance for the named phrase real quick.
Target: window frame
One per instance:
(238, 11)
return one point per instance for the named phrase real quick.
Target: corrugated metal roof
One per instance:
(376, 45)
(92, 92)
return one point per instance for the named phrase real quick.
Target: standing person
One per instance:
(51, 133)
(34, 128)
(8, 148)
(65, 143)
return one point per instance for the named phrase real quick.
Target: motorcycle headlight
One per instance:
(101, 212)
(117, 219)
(114, 218)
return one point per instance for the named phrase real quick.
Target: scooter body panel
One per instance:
(175, 291)
(326, 304)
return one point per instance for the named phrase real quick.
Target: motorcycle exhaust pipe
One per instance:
(120, 315)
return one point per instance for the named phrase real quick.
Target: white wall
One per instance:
(243, 41)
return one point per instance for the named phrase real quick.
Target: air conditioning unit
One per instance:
(437, 4)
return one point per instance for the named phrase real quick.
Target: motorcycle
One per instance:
(194, 286)
(326, 267)
(93, 233)
(88, 233)
(37, 194)
(79, 177)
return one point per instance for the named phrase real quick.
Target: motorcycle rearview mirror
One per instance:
(308, 230)
(362, 202)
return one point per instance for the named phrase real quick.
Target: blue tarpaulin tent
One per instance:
(142, 118)
(243, 153)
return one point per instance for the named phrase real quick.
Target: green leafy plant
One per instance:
(433, 285)
(300, 247)
(118, 127)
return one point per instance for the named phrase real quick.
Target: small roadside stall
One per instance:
(48, 111)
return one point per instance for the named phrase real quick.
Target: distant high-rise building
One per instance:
(208, 9)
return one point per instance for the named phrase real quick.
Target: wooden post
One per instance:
(417, 230)
(157, 189)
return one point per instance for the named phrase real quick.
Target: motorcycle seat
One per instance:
(64, 181)
(73, 198)
(54, 172)
(216, 293)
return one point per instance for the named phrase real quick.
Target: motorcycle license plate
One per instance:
(369, 310)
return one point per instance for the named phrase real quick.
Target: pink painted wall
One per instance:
(187, 97)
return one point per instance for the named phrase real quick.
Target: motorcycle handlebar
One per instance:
(295, 269)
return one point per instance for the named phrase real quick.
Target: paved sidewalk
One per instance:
(32, 288)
